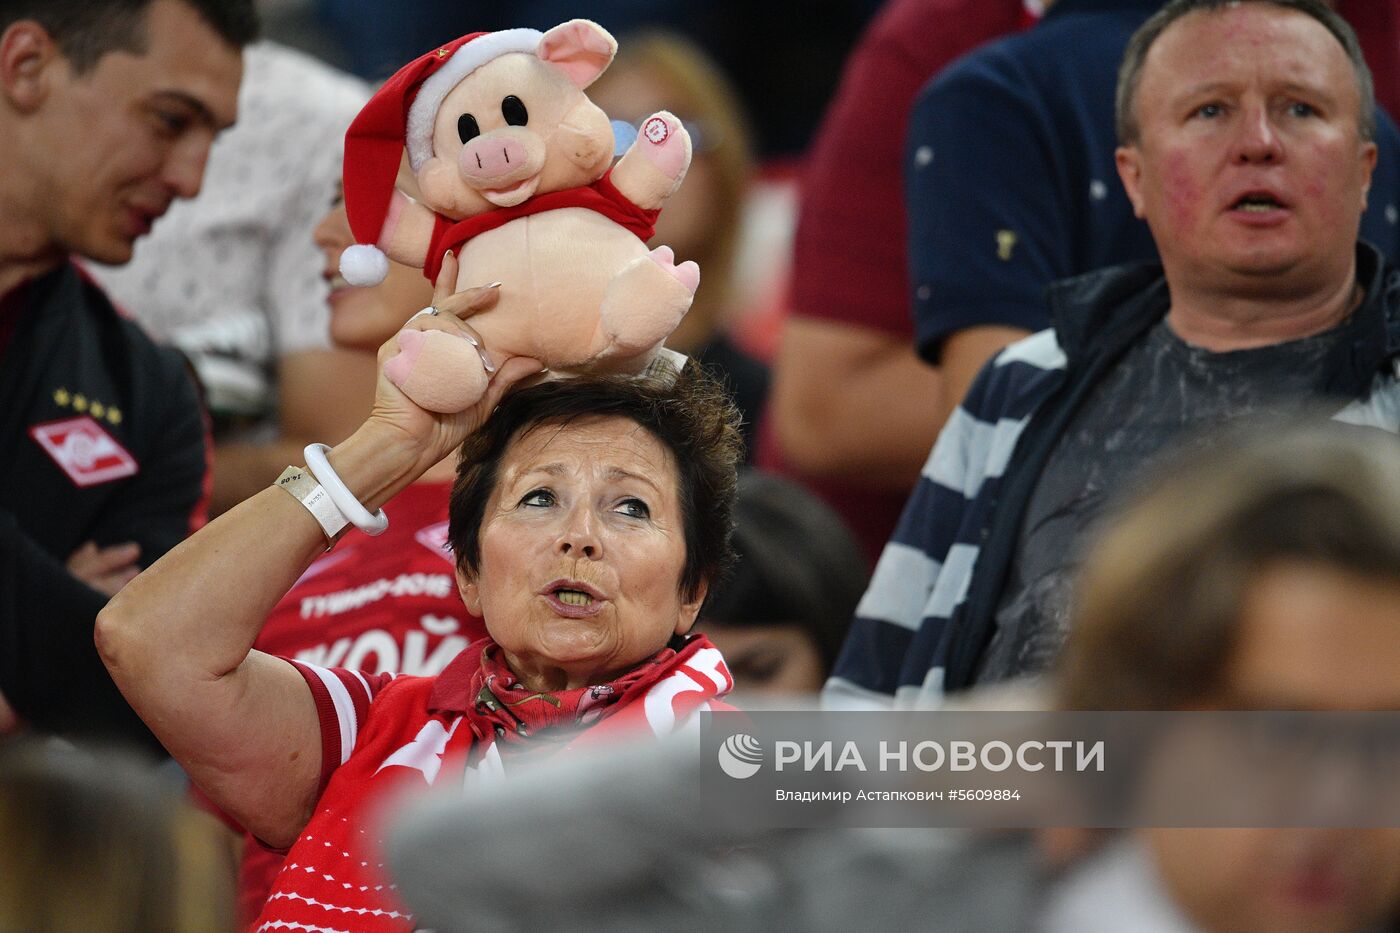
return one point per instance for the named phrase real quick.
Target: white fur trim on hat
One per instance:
(419, 134)
(363, 265)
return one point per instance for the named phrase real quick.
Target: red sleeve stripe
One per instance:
(346, 699)
(358, 689)
(326, 715)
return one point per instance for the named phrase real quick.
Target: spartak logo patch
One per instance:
(82, 449)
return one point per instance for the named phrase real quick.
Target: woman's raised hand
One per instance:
(438, 434)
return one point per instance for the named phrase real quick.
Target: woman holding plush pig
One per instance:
(588, 519)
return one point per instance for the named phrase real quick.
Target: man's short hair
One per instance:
(1130, 72)
(85, 30)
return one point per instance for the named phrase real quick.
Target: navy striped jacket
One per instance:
(930, 607)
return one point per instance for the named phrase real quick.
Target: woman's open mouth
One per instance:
(574, 599)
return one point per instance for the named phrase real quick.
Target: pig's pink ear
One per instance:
(582, 48)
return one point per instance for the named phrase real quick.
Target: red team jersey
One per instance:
(387, 604)
(382, 735)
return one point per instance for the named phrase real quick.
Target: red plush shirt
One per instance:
(601, 196)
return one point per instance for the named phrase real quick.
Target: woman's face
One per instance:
(768, 658)
(363, 318)
(582, 549)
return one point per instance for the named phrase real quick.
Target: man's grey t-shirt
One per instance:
(1162, 391)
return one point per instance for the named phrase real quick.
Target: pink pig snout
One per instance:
(493, 159)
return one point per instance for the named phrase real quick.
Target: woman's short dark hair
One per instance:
(797, 565)
(690, 414)
(1161, 597)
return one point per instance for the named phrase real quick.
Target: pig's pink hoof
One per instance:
(666, 143)
(437, 370)
(643, 304)
(687, 273)
(410, 348)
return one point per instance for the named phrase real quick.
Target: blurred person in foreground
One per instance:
(780, 615)
(1263, 575)
(664, 71)
(588, 520)
(1246, 144)
(107, 113)
(94, 842)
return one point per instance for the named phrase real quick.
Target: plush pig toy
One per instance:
(511, 162)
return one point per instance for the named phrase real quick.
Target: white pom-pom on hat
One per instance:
(363, 265)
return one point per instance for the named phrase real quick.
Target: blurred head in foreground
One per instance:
(97, 842)
(1264, 575)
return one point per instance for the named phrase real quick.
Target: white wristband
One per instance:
(340, 494)
(299, 483)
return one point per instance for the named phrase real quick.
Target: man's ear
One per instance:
(691, 608)
(469, 591)
(1369, 154)
(1129, 162)
(26, 51)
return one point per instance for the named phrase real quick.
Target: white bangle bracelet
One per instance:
(340, 494)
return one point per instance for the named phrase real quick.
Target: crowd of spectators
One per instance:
(1084, 378)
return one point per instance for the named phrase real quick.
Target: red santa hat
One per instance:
(400, 115)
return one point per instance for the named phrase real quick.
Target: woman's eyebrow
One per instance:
(612, 473)
(552, 469)
(615, 473)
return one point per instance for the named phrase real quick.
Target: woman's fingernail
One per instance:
(494, 285)
(488, 295)
(486, 359)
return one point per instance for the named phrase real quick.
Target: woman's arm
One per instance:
(177, 640)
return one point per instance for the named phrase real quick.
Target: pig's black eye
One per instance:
(467, 128)
(513, 109)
